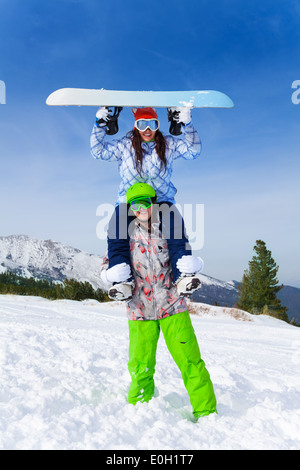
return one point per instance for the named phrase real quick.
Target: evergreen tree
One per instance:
(259, 288)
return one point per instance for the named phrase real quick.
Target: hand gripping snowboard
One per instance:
(158, 99)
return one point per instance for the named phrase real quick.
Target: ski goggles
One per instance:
(141, 203)
(143, 124)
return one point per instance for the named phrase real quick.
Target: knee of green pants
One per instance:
(183, 346)
(180, 338)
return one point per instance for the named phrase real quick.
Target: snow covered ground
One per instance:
(64, 381)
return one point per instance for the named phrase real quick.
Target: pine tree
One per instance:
(259, 287)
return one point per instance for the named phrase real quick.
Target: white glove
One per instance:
(102, 113)
(119, 273)
(189, 264)
(184, 115)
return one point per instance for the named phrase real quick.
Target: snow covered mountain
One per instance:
(51, 260)
(46, 259)
(213, 290)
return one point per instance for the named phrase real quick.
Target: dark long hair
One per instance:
(161, 145)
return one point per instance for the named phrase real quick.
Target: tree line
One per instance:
(71, 289)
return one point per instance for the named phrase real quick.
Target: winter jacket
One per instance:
(154, 296)
(187, 147)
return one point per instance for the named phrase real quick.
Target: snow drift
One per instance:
(64, 381)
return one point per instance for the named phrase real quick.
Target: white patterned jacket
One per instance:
(188, 147)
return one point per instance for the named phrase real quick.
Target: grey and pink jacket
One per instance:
(154, 296)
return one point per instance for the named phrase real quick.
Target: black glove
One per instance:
(175, 126)
(111, 121)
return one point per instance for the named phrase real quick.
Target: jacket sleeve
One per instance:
(188, 147)
(103, 271)
(109, 151)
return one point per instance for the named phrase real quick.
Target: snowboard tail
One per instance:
(158, 99)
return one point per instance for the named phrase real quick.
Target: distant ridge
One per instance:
(47, 259)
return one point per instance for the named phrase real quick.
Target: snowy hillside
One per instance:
(47, 259)
(51, 260)
(64, 381)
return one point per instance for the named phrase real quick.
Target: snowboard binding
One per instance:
(187, 284)
(111, 122)
(175, 126)
(121, 291)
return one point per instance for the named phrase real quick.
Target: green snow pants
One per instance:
(182, 343)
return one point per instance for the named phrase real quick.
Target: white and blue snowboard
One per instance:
(158, 99)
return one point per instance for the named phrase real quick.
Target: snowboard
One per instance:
(157, 99)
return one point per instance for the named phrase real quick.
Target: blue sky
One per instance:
(248, 174)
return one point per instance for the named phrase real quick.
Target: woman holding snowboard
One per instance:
(145, 155)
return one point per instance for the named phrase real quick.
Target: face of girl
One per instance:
(143, 215)
(147, 135)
